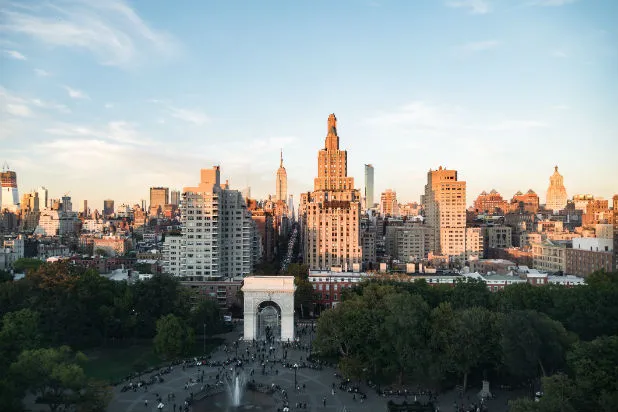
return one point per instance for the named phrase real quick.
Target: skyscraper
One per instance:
(369, 187)
(175, 197)
(43, 201)
(108, 207)
(282, 182)
(10, 195)
(445, 212)
(556, 193)
(331, 213)
(85, 213)
(67, 205)
(159, 196)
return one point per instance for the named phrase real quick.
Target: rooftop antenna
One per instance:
(5, 166)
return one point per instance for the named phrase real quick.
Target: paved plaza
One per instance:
(316, 385)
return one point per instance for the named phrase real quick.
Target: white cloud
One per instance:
(473, 6)
(446, 120)
(76, 94)
(108, 105)
(189, 115)
(42, 73)
(51, 105)
(480, 46)
(111, 30)
(118, 131)
(15, 55)
(550, 3)
(17, 109)
(560, 54)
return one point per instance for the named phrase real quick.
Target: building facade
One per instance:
(388, 203)
(9, 196)
(588, 255)
(549, 256)
(159, 196)
(556, 193)
(490, 203)
(369, 188)
(281, 186)
(445, 212)
(331, 213)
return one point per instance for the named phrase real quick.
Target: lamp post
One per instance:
(295, 369)
(204, 338)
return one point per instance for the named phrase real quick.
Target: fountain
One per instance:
(235, 383)
(236, 397)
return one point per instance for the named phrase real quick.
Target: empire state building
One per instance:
(331, 213)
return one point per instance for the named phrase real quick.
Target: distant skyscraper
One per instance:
(445, 212)
(85, 208)
(175, 197)
(159, 196)
(331, 213)
(369, 200)
(10, 195)
(43, 201)
(388, 203)
(108, 207)
(556, 193)
(282, 182)
(67, 206)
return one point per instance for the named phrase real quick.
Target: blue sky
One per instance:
(105, 99)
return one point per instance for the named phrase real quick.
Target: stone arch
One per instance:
(257, 291)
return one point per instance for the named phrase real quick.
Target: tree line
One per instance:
(567, 338)
(59, 309)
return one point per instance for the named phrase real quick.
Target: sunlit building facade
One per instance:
(331, 213)
(556, 193)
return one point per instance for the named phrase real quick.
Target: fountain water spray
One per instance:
(235, 382)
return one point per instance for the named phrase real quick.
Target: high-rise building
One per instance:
(175, 197)
(331, 213)
(445, 212)
(388, 203)
(85, 212)
(43, 201)
(108, 207)
(159, 196)
(30, 202)
(556, 193)
(10, 195)
(217, 232)
(67, 206)
(528, 202)
(369, 186)
(282, 181)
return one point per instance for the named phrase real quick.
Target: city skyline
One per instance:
(170, 93)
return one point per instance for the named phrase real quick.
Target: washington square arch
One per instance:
(269, 307)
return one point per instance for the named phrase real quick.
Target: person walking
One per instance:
(146, 403)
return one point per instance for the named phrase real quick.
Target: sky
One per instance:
(104, 99)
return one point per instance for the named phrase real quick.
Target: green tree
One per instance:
(27, 264)
(464, 340)
(595, 371)
(20, 330)
(531, 341)
(5, 276)
(406, 325)
(303, 296)
(55, 377)
(173, 337)
(206, 313)
(470, 293)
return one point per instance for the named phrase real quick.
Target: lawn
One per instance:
(114, 363)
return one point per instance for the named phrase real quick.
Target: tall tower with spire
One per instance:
(556, 193)
(330, 214)
(282, 181)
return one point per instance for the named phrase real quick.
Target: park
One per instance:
(72, 340)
